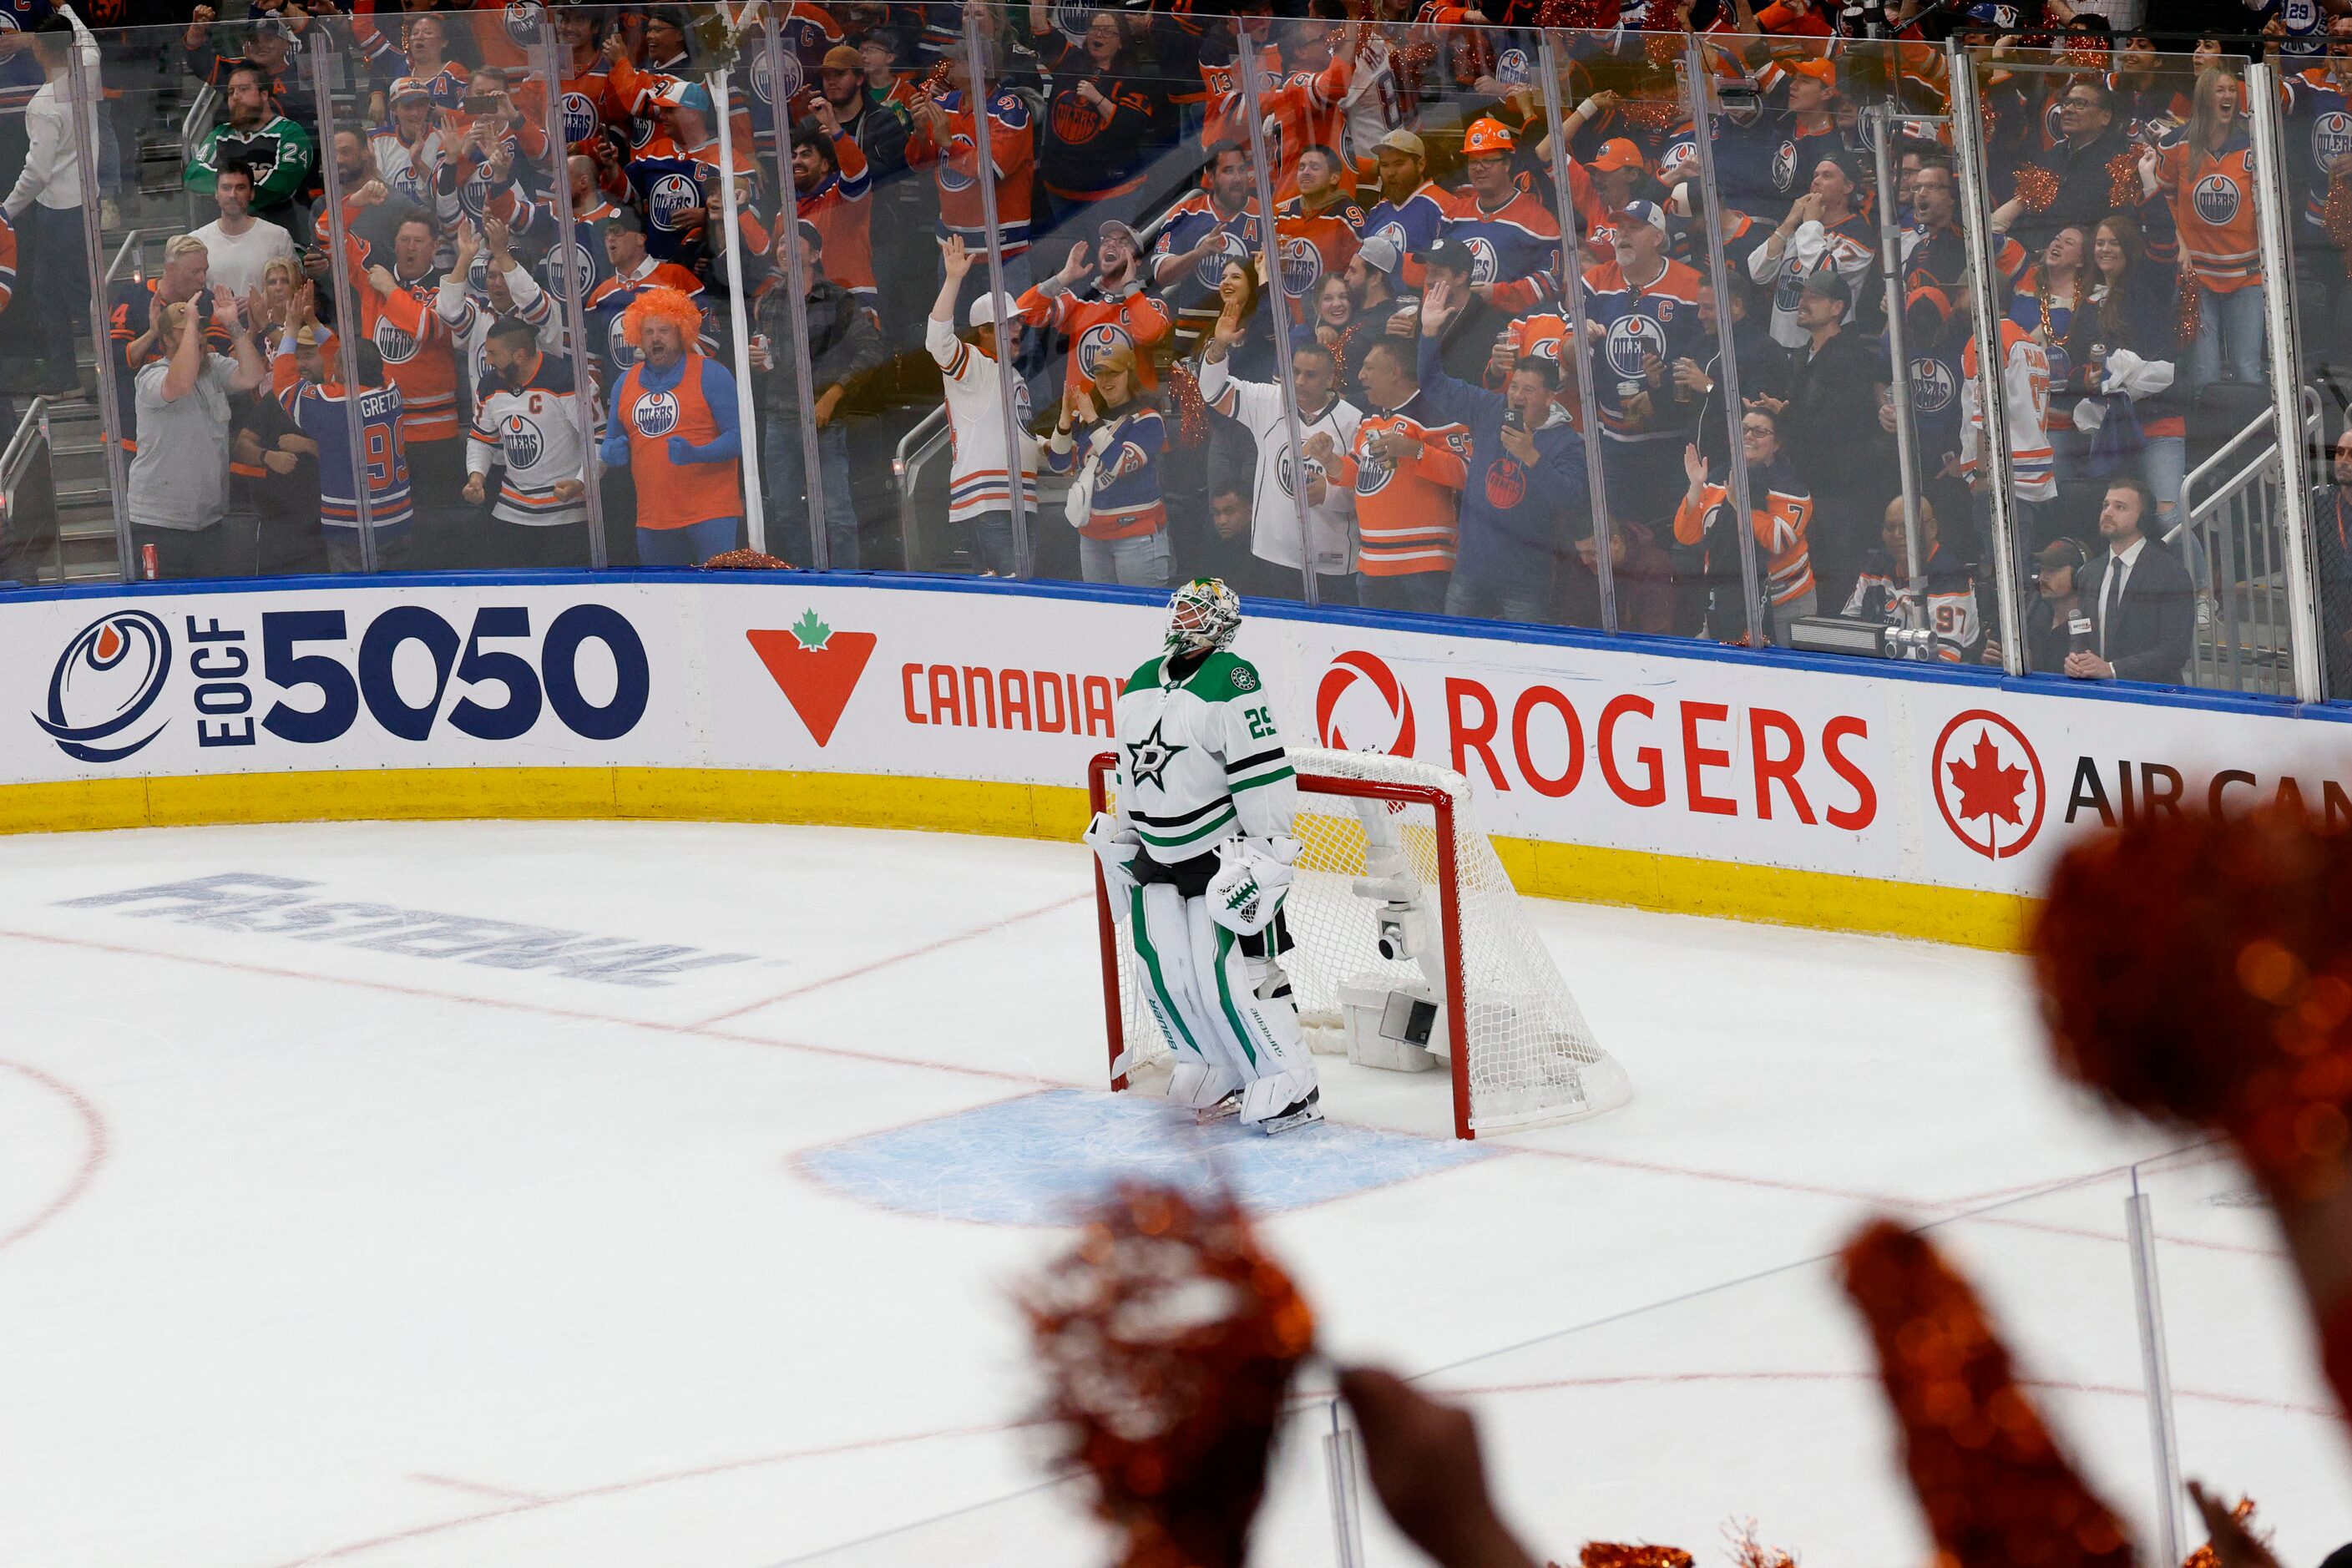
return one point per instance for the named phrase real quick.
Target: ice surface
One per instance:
(604, 1194)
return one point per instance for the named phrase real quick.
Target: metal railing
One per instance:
(26, 449)
(2233, 540)
(929, 437)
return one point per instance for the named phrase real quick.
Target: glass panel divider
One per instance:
(1573, 343)
(322, 60)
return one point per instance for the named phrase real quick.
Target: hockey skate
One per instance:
(1275, 1104)
(1209, 1093)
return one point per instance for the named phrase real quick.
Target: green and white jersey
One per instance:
(1201, 760)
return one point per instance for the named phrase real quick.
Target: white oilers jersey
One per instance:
(1257, 406)
(533, 433)
(408, 170)
(978, 480)
(1202, 760)
(464, 304)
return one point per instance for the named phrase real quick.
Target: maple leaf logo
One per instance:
(815, 666)
(1988, 787)
(810, 632)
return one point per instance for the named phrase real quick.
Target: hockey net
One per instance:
(1391, 851)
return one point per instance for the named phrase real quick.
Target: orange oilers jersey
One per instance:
(2213, 208)
(1312, 246)
(1406, 513)
(1012, 146)
(1781, 525)
(1096, 323)
(1302, 109)
(591, 101)
(674, 495)
(842, 207)
(418, 356)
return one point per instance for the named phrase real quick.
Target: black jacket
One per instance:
(844, 344)
(2152, 631)
(2085, 185)
(1832, 414)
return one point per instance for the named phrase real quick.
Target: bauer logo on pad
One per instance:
(816, 668)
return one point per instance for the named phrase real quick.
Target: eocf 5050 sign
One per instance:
(322, 681)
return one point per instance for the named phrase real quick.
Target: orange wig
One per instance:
(661, 305)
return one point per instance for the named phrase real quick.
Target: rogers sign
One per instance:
(1708, 759)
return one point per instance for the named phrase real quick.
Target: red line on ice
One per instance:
(95, 1148)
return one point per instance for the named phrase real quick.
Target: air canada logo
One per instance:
(2216, 198)
(1988, 784)
(104, 684)
(1362, 696)
(816, 668)
(655, 414)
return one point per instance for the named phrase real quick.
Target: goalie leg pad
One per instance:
(1255, 1012)
(1163, 926)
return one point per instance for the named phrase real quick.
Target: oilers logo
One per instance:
(1071, 21)
(104, 684)
(1098, 340)
(407, 182)
(1630, 339)
(1485, 265)
(1515, 70)
(477, 275)
(960, 149)
(1934, 387)
(1784, 168)
(396, 346)
(1210, 270)
(2215, 198)
(570, 268)
(655, 414)
(617, 348)
(673, 196)
(1373, 472)
(523, 442)
(579, 117)
(1393, 232)
(2331, 138)
(474, 194)
(789, 69)
(1546, 347)
(763, 80)
(522, 19)
(1287, 475)
(1302, 266)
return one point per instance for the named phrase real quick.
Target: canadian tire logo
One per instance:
(104, 684)
(1988, 784)
(816, 668)
(1360, 691)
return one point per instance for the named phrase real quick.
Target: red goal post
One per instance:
(1515, 1044)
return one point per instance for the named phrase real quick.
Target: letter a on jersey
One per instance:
(816, 667)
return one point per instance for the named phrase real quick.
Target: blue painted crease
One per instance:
(1042, 1159)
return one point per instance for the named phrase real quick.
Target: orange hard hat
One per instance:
(1487, 135)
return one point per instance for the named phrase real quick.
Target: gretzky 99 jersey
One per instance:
(1201, 759)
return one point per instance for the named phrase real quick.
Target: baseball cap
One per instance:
(409, 87)
(1820, 71)
(669, 15)
(1112, 225)
(1617, 153)
(1487, 135)
(2059, 552)
(677, 92)
(308, 337)
(812, 237)
(1380, 254)
(1829, 286)
(1452, 255)
(883, 38)
(1641, 212)
(841, 58)
(1406, 142)
(271, 27)
(988, 308)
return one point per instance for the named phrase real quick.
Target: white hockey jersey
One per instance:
(2024, 403)
(977, 480)
(463, 304)
(533, 432)
(1845, 250)
(1257, 406)
(1201, 760)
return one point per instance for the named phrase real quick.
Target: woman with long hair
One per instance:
(1110, 439)
(2206, 177)
(1103, 112)
(1330, 312)
(2124, 340)
(2045, 303)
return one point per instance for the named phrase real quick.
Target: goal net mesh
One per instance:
(1366, 863)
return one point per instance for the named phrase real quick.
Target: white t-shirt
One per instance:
(236, 260)
(180, 478)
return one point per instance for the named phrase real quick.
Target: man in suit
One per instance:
(2143, 607)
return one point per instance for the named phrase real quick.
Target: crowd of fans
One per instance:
(1420, 325)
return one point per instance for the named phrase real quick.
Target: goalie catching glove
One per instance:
(1114, 847)
(1251, 876)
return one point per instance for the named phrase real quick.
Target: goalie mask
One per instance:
(1203, 616)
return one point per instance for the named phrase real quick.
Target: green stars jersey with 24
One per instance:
(1201, 759)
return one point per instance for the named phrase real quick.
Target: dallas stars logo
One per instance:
(1148, 760)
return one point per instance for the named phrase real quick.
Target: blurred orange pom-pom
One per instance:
(2199, 967)
(1168, 1339)
(2205, 1556)
(2123, 182)
(746, 561)
(1578, 15)
(1192, 410)
(1747, 1551)
(1994, 1487)
(2037, 187)
(1609, 1554)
